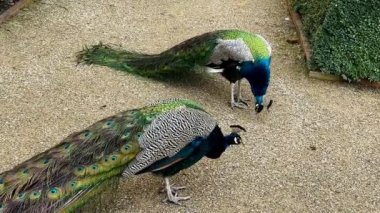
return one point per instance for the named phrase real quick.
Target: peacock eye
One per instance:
(237, 140)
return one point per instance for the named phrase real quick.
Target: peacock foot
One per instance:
(240, 104)
(174, 189)
(172, 193)
(175, 199)
(241, 99)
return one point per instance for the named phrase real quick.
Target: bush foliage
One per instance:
(345, 36)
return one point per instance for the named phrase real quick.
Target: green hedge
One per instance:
(345, 36)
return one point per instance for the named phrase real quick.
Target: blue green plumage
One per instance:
(67, 176)
(237, 54)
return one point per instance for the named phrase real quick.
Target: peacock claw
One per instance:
(172, 193)
(174, 189)
(240, 105)
(241, 99)
(175, 199)
(177, 188)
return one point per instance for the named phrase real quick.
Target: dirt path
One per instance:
(44, 97)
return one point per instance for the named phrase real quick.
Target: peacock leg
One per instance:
(239, 97)
(238, 104)
(172, 193)
(232, 95)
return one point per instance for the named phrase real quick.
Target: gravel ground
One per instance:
(317, 150)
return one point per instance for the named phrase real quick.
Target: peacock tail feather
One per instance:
(174, 62)
(65, 177)
(178, 60)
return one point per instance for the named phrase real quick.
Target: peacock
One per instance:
(235, 54)
(163, 138)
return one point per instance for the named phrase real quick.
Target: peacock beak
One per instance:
(259, 108)
(259, 103)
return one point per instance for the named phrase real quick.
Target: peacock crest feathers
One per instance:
(79, 165)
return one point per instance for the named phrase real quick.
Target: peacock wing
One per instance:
(168, 134)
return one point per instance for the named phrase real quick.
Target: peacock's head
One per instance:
(234, 138)
(258, 75)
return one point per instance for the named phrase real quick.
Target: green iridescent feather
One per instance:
(257, 45)
(175, 62)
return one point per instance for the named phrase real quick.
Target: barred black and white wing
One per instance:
(168, 134)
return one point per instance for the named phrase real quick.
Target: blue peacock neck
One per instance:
(258, 75)
(219, 143)
(258, 69)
